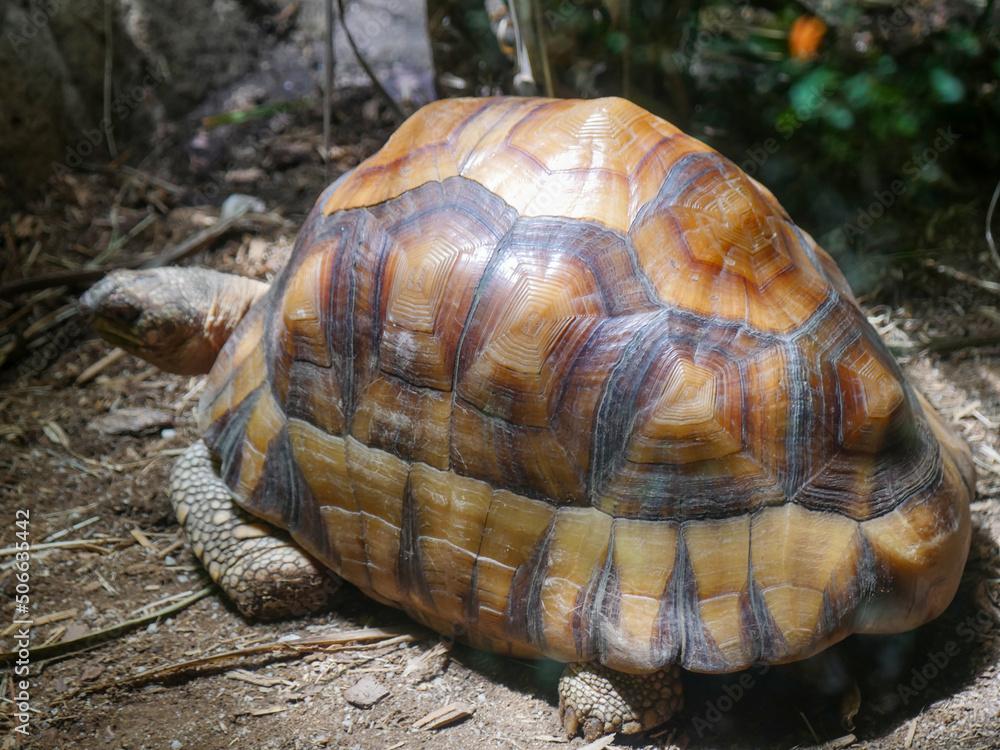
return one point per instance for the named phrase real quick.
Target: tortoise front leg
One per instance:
(259, 567)
(598, 700)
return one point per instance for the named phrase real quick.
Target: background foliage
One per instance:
(875, 124)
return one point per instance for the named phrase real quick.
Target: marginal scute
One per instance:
(514, 533)
(379, 482)
(800, 558)
(238, 371)
(265, 423)
(643, 555)
(452, 517)
(577, 552)
(922, 544)
(720, 554)
(322, 458)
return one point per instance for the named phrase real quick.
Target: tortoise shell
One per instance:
(563, 381)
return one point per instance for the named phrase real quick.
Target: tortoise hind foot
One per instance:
(597, 700)
(259, 567)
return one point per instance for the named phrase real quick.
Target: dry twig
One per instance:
(352, 640)
(954, 273)
(989, 231)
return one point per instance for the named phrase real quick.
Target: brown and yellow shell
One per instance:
(561, 380)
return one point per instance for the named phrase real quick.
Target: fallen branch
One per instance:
(91, 545)
(194, 242)
(353, 640)
(393, 104)
(172, 254)
(93, 639)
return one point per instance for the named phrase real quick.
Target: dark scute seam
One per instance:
(523, 613)
(412, 582)
(225, 437)
(457, 369)
(604, 606)
(767, 642)
(286, 494)
(697, 648)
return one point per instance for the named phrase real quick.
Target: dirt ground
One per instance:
(107, 550)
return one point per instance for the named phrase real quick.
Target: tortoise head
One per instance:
(175, 318)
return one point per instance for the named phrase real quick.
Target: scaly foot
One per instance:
(598, 700)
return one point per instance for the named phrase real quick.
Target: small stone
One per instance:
(365, 693)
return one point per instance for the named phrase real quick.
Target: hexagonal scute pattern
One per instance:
(556, 378)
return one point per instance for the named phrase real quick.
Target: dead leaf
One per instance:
(92, 672)
(365, 693)
(600, 744)
(74, 631)
(841, 742)
(131, 421)
(444, 716)
(850, 704)
(56, 434)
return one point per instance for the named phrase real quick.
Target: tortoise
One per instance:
(561, 381)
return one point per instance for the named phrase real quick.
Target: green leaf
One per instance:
(839, 117)
(886, 66)
(616, 41)
(810, 92)
(907, 124)
(858, 90)
(947, 88)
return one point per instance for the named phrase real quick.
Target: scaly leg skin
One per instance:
(259, 567)
(599, 701)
